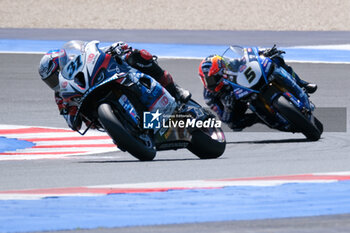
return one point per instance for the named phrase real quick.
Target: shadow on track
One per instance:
(276, 141)
(137, 161)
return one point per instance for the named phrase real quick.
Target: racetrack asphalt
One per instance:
(319, 224)
(212, 37)
(25, 100)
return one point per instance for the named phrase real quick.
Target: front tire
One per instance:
(122, 137)
(297, 119)
(205, 147)
(318, 124)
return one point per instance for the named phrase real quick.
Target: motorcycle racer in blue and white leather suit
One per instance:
(126, 56)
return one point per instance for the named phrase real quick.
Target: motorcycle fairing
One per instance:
(129, 108)
(153, 95)
(252, 69)
(238, 90)
(265, 64)
(298, 97)
(86, 69)
(249, 72)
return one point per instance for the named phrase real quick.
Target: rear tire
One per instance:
(297, 119)
(121, 135)
(205, 147)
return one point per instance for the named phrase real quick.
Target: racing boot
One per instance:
(309, 87)
(247, 120)
(182, 94)
(179, 93)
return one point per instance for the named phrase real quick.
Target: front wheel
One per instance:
(208, 144)
(141, 148)
(297, 119)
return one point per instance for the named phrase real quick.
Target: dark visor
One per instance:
(212, 81)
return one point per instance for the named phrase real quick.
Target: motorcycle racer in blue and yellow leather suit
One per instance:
(220, 98)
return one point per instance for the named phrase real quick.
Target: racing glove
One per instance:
(119, 48)
(228, 101)
(273, 52)
(62, 106)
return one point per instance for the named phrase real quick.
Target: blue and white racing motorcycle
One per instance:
(272, 93)
(117, 99)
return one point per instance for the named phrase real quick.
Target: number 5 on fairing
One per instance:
(250, 74)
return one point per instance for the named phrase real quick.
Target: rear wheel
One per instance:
(209, 144)
(139, 146)
(297, 119)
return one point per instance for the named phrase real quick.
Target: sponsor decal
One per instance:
(268, 66)
(265, 62)
(239, 92)
(164, 101)
(124, 101)
(90, 58)
(64, 84)
(242, 68)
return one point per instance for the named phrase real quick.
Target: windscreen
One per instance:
(72, 49)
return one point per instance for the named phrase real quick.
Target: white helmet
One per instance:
(50, 65)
